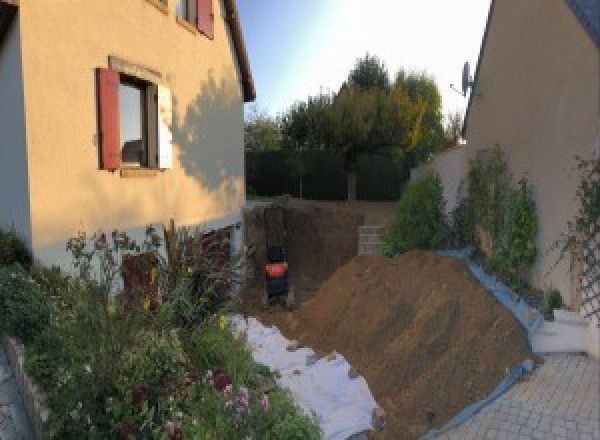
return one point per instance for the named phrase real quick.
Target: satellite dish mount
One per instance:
(467, 82)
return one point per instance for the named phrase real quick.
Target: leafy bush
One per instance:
(517, 248)
(488, 188)
(13, 249)
(420, 221)
(111, 368)
(24, 308)
(582, 234)
(156, 360)
(554, 299)
(500, 219)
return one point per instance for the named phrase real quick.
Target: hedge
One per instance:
(379, 177)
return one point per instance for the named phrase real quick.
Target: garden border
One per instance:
(33, 398)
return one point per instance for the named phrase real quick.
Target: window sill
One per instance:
(138, 172)
(164, 8)
(186, 25)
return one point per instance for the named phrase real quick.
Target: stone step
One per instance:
(569, 317)
(560, 337)
(370, 229)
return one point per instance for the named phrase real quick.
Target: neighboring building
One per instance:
(120, 114)
(536, 95)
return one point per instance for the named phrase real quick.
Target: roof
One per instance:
(586, 11)
(8, 9)
(231, 17)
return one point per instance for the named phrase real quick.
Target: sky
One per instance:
(299, 47)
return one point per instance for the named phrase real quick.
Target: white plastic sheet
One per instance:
(343, 406)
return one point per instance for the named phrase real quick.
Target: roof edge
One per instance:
(231, 17)
(8, 10)
(478, 67)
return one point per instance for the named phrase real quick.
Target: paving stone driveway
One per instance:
(560, 400)
(14, 424)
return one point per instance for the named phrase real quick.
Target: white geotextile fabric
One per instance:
(343, 406)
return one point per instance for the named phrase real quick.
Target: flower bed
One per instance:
(158, 362)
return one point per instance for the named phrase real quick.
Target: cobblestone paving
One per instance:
(14, 424)
(559, 401)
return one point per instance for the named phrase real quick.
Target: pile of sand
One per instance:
(419, 328)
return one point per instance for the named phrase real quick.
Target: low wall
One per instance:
(33, 398)
(452, 166)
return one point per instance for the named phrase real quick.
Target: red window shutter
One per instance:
(108, 118)
(206, 18)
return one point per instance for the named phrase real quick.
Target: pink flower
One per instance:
(243, 396)
(227, 389)
(264, 402)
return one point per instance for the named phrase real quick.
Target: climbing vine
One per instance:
(517, 250)
(582, 237)
(497, 217)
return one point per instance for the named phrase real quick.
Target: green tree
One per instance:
(261, 131)
(369, 115)
(421, 89)
(452, 128)
(369, 72)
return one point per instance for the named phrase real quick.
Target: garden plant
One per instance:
(146, 360)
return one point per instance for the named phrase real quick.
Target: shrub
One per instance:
(420, 220)
(23, 306)
(157, 360)
(554, 299)
(13, 249)
(517, 250)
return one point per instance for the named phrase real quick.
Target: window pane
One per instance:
(181, 8)
(130, 111)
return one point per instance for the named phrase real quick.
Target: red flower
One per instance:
(221, 379)
(140, 393)
(126, 429)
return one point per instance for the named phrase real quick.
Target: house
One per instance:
(536, 95)
(119, 114)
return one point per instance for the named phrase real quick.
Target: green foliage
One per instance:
(13, 249)
(500, 219)
(368, 115)
(582, 235)
(112, 369)
(420, 221)
(262, 132)
(489, 186)
(427, 129)
(517, 248)
(379, 176)
(553, 299)
(24, 308)
(369, 72)
(453, 128)
(156, 360)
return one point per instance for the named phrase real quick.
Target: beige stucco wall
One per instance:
(539, 101)
(451, 166)
(14, 181)
(62, 45)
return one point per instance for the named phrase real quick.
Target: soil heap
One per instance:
(319, 239)
(423, 332)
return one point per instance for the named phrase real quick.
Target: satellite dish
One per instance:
(466, 83)
(467, 80)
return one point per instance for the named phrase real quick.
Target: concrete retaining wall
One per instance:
(369, 240)
(33, 399)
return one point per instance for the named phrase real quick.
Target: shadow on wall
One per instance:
(206, 183)
(210, 135)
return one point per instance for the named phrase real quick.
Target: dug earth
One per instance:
(427, 337)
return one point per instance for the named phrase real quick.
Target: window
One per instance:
(186, 10)
(134, 122)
